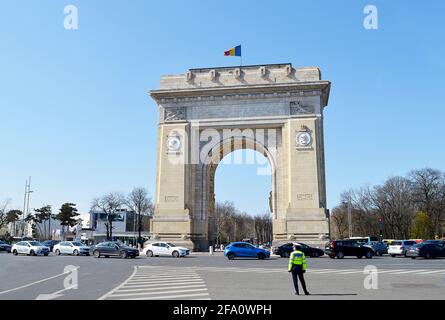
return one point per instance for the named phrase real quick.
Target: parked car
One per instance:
(245, 250)
(400, 247)
(5, 247)
(344, 248)
(50, 244)
(440, 243)
(379, 247)
(168, 249)
(31, 248)
(75, 248)
(285, 250)
(113, 248)
(426, 250)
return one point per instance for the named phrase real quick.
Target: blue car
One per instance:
(245, 250)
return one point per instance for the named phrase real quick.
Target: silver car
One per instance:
(75, 248)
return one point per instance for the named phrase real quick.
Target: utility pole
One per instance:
(349, 215)
(28, 191)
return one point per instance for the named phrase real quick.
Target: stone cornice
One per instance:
(313, 88)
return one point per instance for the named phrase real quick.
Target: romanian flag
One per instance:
(236, 51)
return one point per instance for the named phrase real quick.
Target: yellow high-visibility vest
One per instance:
(297, 258)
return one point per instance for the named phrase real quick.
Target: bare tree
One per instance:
(139, 202)
(339, 221)
(109, 204)
(429, 194)
(4, 213)
(263, 227)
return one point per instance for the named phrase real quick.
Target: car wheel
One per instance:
(57, 252)
(286, 255)
(175, 254)
(15, 252)
(76, 252)
(315, 254)
(428, 256)
(261, 256)
(359, 257)
(413, 258)
(87, 254)
(45, 254)
(96, 253)
(107, 256)
(379, 253)
(32, 253)
(124, 255)
(340, 255)
(331, 256)
(149, 253)
(368, 255)
(393, 255)
(231, 256)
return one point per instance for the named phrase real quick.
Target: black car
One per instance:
(113, 248)
(285, 250)
(5, 247)
(427, 250)
(440, 243)
(348, 248)
(50, 244)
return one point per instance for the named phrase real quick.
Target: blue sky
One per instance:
(76, 116)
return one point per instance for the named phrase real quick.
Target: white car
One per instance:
(31, 248)
(75, 248)
(400, 247)
(160, 248)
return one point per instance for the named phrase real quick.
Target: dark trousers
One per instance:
(297, 273)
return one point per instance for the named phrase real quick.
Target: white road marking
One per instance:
(36, 282)
(432, 271)
(156, 292)
(408, 271)
(182, 296)
(146, 283)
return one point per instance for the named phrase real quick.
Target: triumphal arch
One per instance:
(205, 114)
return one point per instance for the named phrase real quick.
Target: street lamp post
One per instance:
(349, 217)
(25, 214)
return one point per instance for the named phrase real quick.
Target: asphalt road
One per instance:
(201, 276)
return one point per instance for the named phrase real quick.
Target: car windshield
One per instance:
(410, 243)
(78, 244)
(396, 243)
(34, 243)
(171, 244)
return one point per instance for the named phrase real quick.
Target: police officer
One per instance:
(297, 265)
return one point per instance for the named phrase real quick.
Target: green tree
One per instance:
(42, 216)
(13, 216)
(422, 227)
(66, 216)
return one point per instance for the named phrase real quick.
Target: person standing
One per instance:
(297, 265)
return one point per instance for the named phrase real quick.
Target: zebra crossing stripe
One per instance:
(145, 289)
(157, 292)
(149, 285)
(152, 280)
(168, 297)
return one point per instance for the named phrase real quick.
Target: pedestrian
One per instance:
(297, 266)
